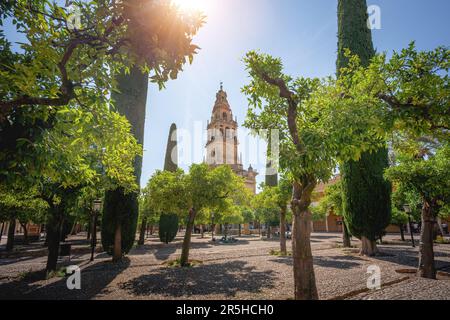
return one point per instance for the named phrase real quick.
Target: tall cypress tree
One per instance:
(121, 210)
(366, 194)
(168, 223)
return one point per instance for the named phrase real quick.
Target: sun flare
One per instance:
(192, 4)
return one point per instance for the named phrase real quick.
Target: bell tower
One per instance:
(223, 144)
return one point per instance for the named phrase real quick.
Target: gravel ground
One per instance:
(240, 271)
(412, 289)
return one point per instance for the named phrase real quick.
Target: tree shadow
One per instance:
(94, 279)
(163, 251)
(410, 257)
(336, 262)
(7, 261)
(226, 279)
(321, 236)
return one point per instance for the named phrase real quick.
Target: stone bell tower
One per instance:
(223, 144)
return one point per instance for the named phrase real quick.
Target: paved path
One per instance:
(240, 271)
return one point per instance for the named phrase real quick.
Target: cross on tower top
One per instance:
(221, 85)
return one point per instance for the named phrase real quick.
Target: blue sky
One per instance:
(302, 32)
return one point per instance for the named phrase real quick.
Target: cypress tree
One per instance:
(168, 222)
(168, 227)
(121, 209)
(366, 194)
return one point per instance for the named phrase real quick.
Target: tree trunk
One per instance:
(439, 223)
(346, 242)
(151, 230)
(202, 231)
(142, 232)
(25, 233)
(240, 230)
(73, 232)
(368, 247)
(426, 257)
(89, 230)
(11, 232)
(1, 231)
(226, 231)
(184, 261)
(402, 233)
(268, 230)
(53, 239)
(117, 250)
(283, 249)
(304, 277)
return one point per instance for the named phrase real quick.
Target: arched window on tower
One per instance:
(225, 116)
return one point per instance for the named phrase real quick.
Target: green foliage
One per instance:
(401, 196)
(168, 227)
(248, 215)
(399, 217)
(332, 200)
(207, 190)
(430, 178)
(22, 204)
(271, 200)
(410, 90)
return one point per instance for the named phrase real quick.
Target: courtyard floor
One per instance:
(244, 270)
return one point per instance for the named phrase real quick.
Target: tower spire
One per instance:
(221, 85)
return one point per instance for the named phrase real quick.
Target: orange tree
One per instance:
(189, 194)
(315, 133)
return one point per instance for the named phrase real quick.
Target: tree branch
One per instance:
(66, 89)
(292, 109)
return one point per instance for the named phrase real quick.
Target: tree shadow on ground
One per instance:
(321, 236)
(7, 261)
(336, 262)
(409, 257)
(225, 279)
(94, 279)
(163, 251)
